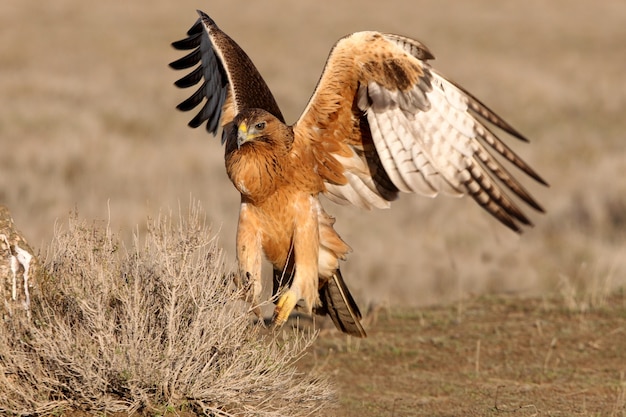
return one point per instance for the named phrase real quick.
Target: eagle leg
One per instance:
(305, 283)
(249, 253)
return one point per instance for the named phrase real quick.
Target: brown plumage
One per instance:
(380, 121)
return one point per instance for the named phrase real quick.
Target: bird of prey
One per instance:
(380, 121)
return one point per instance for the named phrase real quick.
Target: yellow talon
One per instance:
(285, 305)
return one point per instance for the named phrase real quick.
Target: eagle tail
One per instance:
(339, 304)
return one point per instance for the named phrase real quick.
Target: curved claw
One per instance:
(285, 305)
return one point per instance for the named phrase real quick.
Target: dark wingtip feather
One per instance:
(534, 175)
(508, 221)
(196, 28)
(193, 101)
(190, 79)
(187, 61)
(532, 202)
(540, 180)
(193, 41)
(196, 121)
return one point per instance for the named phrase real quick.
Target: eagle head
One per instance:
(260, 128)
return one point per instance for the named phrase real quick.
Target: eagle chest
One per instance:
(254, 177)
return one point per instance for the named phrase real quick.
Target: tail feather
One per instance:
(336, 301)
(339, 304)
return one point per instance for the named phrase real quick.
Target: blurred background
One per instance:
(88, 122)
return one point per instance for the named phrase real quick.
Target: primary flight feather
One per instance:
(381, 121)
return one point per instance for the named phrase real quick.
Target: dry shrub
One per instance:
(154, 328)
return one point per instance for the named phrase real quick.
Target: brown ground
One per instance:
(488, 356)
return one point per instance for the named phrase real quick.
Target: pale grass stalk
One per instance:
(619, 406)
(477, 358)
(589, 289)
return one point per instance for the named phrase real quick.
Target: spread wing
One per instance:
(229, 80)
(382, 121)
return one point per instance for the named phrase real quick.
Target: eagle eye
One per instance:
(259, 126)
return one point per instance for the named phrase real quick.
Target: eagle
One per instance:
(380, 121)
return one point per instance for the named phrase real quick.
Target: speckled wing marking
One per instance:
(397, 125)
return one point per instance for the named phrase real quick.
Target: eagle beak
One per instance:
(242, 134)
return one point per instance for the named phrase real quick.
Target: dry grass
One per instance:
(152, 328)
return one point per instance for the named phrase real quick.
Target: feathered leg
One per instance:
(306, 251)
(249, 257)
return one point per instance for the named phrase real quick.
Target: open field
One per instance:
(486, 356)
(87, 120)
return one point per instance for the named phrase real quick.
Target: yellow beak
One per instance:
(242, 134)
